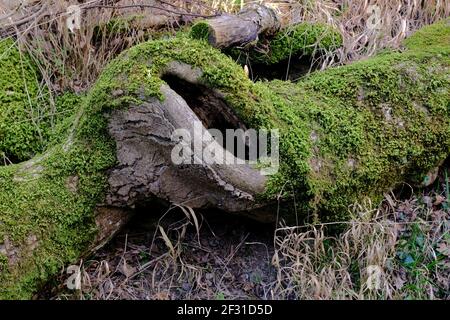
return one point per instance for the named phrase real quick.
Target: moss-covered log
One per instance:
(345, 134)
(265, 36)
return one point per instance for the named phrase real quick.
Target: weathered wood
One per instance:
(145, 169)
(238, 30)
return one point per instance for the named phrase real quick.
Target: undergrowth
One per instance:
(399, 250)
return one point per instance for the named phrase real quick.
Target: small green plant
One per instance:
(220, 296)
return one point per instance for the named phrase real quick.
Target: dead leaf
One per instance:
(161, 296)
(127, 270)
(438, 200)
(399, 282)
(444, 248)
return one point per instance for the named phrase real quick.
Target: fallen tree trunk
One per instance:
(346, 134)
(227, 31)
(262, 35)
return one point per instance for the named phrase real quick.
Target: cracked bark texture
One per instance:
(143, 135)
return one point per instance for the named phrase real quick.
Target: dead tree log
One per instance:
(346, 134)
(238, 30)
(266, 35)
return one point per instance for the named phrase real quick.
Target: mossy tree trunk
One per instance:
(346, 134)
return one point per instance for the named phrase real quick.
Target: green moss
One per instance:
(200, 31)
(37, 202)
(3, 263)
(363, 128)
(436, 37)
(301, 39)
(346, 134)
(67, 105)
(44, 207)
(23, 123)
(27, 118)
(304, 39)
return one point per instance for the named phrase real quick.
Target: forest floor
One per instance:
(400, 250)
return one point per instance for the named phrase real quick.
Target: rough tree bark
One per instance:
(238, 30)
(345, 134)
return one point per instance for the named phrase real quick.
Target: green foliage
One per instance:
(413, 255)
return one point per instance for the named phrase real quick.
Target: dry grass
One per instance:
(400, 250)
(370, 25)
(169, 259)
(367, 26)
(73, 60)
(393, 255)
